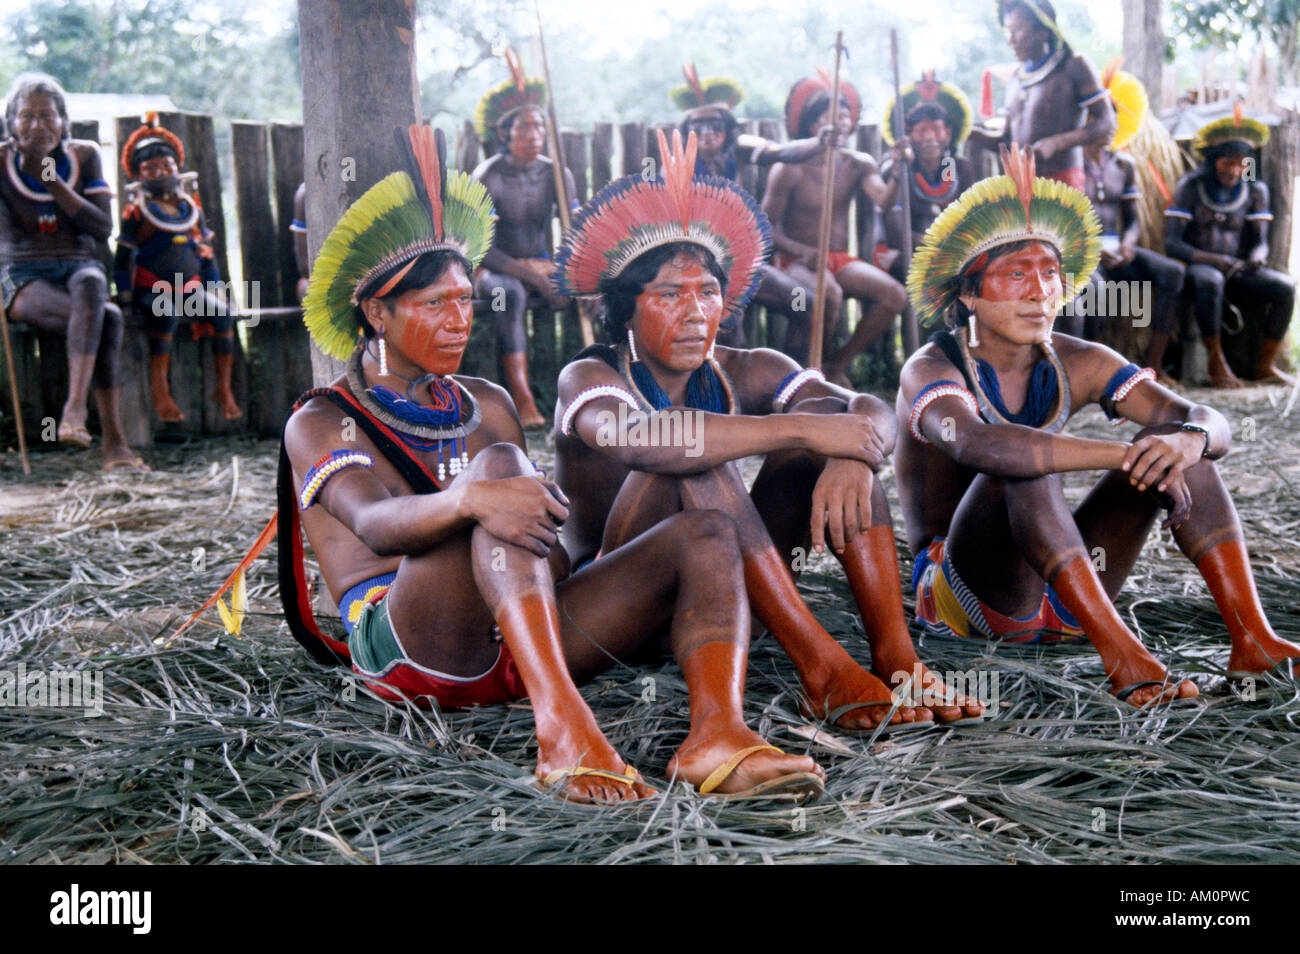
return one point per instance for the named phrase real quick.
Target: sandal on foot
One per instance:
(133, 465)
(1284, 669)
(74, 435)
(888, 728)
(548, 784)
(797, 785)
(1123, 694)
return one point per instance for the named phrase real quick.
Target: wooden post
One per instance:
(286, 166)
(632, 138)
(574, 146)
(358, 85)
(467, 148)
(602, 156)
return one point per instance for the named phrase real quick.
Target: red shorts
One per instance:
(836, 262)
(1071, 177)
(379, 657)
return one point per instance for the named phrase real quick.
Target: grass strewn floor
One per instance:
(220, 748)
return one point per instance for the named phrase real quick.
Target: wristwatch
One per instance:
(1200, 430)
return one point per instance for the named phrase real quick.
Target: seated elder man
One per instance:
(439, 540)
(981, 415)
(54, 207)
(670, 257)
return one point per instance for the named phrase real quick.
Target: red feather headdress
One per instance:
(634, 215)
(150, 131)
(802, 93)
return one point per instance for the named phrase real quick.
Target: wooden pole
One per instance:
(13, 390)
(911, 334)
(558, 165)
(824, 232)
(358, 85)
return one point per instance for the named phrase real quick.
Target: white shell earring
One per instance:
(383, 357)
(631, 345)
(974, 336)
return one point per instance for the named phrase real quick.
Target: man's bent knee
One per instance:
(499, 462)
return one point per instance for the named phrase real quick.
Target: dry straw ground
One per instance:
(241, 749)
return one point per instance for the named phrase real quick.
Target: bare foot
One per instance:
(927, 691)
(225, 400)
(713, 743)
(1220, 374)
(570, 752)
(851, 685)
(1147, 669)
(1272, 374)
(1262, 654)
(166, 409)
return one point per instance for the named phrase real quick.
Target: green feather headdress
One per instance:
(1008, 208)
(715, 91)
(947, 97)
(1234, 128)
(381, 236)
(504, 100)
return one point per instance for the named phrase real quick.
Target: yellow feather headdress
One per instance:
(996, 211)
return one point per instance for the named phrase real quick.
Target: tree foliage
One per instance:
(1224, 24)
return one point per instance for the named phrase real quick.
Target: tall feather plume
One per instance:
(1018, 163)
(693, 80)
(419, 148)
(516, 70)
(679, 170)
(1238, 112)
(1109, 72)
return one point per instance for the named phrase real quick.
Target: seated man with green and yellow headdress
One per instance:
(981, 450)
(438, 539)
(1218, 225)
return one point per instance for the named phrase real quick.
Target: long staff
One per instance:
(824, 233)
(13, 389)
(558, 166)
(911, 336)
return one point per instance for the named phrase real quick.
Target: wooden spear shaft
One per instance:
(13, 390)
(824, 233)
(911, 335)
(559, 165)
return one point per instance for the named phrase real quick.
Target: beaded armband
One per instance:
(931, 393)
(327, 467)
(591, 394)
(790, 386)
(1121, 384)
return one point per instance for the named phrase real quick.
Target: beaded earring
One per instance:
(383, 356)
(974, 336)
(631, 345)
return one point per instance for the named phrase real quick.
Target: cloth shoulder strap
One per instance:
(295, 595)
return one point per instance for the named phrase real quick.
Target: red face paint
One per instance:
(527, 134)
(930, 137)
(678, 313)
(429, 326)
(1229, 169)
(1020, 294)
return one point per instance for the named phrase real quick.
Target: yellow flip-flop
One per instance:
(797, 785)
(551, 780)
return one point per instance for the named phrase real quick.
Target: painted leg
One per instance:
(222, 395)
(1221, 375)
(160, 388)
(521, 599)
